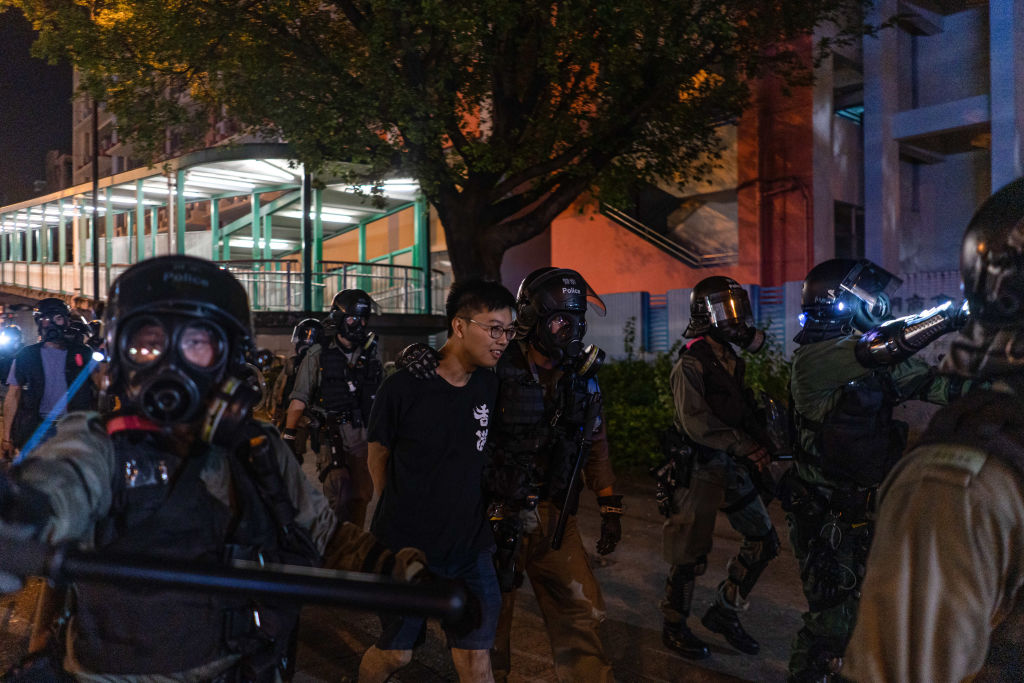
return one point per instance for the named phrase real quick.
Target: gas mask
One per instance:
(866, 289)
(171, 366)
(350, 327)
(55, 328)
(560, 336)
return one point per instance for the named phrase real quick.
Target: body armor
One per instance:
(533, 448)
(726, 394)
(348, 387)
(162, 508)
(29, 369)
(858, 441)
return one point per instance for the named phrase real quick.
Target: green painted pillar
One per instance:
(140, 223)
(62, 243)
(268, 228)
(154, 227)
(255, 230)
(318, 249)
(215, 229)
(44, 237)
(108, 233)
(363, 282)
(421, 250)
(179, 206)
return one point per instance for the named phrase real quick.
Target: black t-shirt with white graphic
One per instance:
(436, 433)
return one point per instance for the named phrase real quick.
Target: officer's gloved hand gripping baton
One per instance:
(438, 599)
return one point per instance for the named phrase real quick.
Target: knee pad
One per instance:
(754, 556)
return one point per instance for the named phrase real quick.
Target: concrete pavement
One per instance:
(632, 579)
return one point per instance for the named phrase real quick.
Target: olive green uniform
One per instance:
(943, 597)
(830, 528)
(354, 445)
(717, 483)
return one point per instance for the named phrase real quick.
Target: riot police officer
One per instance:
(849, 373)
(306, 333)
(548, 413)
(42, 374)
(942, 598)
(179, 472)
(336, 383)
(724, 444)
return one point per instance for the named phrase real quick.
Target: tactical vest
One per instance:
(29, 371)
(532, 449)
(858, 440)
(346, 388)
(161, 508)
(724, 393)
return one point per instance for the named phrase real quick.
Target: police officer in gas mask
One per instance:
(305, 334)
(854, 365)
(724, 451)
(41, 375)
(335, 386)
(548, 413)
(180, 472)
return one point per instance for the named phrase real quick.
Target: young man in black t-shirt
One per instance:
(426, 458)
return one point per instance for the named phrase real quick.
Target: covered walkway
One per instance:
(243, 207)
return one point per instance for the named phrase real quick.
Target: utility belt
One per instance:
(328, 426)
(850, 504)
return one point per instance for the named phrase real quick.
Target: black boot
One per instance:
(721, 620)
(679, 638)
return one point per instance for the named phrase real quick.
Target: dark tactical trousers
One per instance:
(569, 599)
(832, 589)
(348, 489)
(716, 485)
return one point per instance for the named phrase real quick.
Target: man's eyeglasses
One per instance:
(494, 330)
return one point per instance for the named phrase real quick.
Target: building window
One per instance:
(849, 231)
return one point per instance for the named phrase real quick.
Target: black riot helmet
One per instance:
(53, 318)
(177, 333)
(78, 331)
(840, 295)
(720, 307)
(551, 308)
(992, 267)
(263, 359)
(305, 334)
(350, 315)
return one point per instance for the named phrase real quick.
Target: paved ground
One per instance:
(632, 579)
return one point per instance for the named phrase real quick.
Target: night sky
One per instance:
(35, 110)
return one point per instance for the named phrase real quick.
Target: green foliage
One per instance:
(638, 402)
(769, 371)
(504, 111)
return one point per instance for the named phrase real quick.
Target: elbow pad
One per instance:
(897, 340)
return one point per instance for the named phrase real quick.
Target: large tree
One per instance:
(504, 110)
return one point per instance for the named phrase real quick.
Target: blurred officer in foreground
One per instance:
(943, 599)
(723, 444)
(179, 472)
(41, 375)
(335, 387)
(854, 365)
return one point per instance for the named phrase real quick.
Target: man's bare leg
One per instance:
(377, 665)
(473, 666)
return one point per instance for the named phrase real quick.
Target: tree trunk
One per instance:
(472, 250)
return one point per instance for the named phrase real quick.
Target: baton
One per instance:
(438, 599)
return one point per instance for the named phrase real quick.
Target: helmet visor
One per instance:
(729, 306)
(868, 282)
(201, 345)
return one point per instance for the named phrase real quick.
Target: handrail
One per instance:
(671, 246)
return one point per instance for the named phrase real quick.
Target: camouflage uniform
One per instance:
(525, 455)
(718, 482)
(75, 473)
(829, 522)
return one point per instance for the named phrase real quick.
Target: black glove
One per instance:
(419, 359)
(289, 438)
(611, 527)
